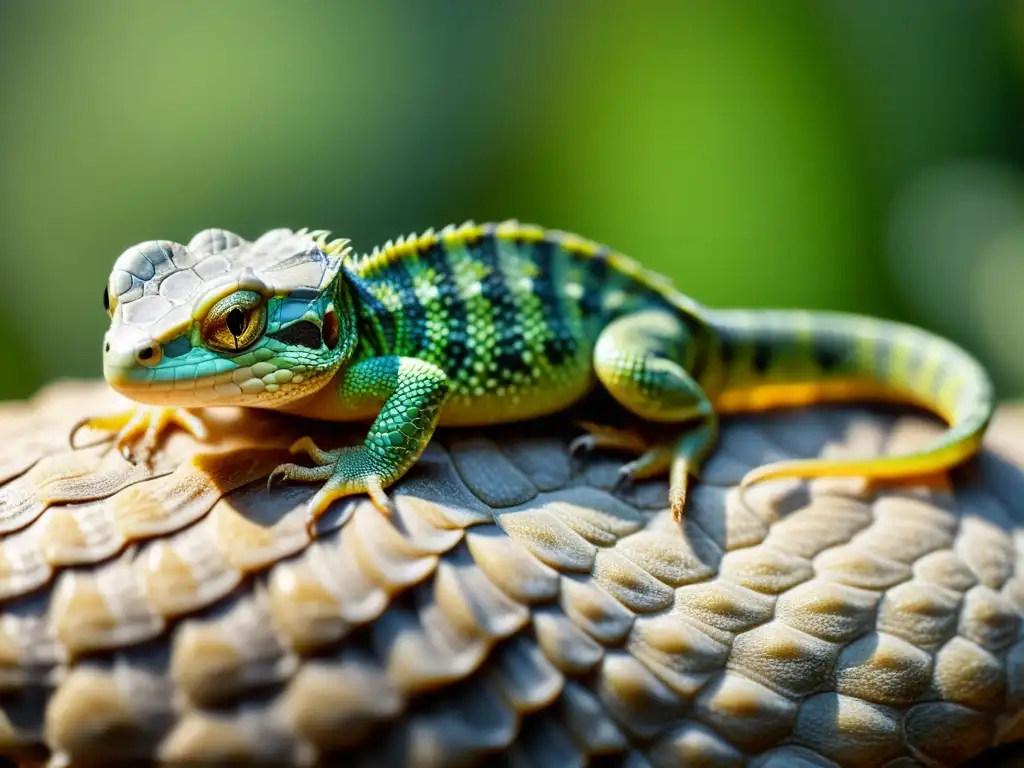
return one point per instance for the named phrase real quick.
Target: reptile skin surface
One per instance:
(514, 611)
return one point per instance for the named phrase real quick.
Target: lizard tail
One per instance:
(771, 358)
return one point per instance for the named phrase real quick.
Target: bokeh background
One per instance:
(859, 155)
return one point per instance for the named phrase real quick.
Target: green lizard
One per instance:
(482, 324)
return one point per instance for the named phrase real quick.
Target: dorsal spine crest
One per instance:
(469, 232)
(454, 236)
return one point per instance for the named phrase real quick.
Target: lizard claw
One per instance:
(625, 478)
(305, 445)
(75, 429)
(337, 488)
(579, 449)
(581, 444)
(677, 499)
(299, 473)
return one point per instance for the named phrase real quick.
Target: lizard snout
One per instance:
(124, 353)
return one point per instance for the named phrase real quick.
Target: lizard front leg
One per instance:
(412, 393)
(137, 430)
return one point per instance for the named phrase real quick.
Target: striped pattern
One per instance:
(511, 313)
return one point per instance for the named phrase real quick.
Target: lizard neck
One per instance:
(376, 326)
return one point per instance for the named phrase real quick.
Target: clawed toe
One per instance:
(88, 422)
(626, 477)
(677, 501)
(342, 473)
(579, 452)
(582, 445)
(598, 436)
(306, 446)
(299, 473)
(137, 432)
(338, 487)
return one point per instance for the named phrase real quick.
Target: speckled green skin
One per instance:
(489, 324)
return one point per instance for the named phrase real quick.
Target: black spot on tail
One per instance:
(727, 351)
(763, 352)
(829, 353)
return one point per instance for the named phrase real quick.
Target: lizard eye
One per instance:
(235, 323)
(108, 305)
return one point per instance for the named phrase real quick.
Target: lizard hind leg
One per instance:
(639, 358)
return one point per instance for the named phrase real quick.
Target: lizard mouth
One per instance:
(128, 382)
(240, 387)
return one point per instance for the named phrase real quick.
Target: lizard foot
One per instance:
(660, 460)
(652, 460)
(138, 429)
(343, 472)
(651, 463)
(598, 436)
(680, 458)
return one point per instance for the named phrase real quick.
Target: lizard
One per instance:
(481, 324)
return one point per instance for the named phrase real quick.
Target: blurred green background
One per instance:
(857, 155)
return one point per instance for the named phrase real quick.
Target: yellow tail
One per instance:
(769, 359)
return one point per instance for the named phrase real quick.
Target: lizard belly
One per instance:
(465, 409)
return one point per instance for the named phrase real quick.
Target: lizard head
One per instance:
(224, 321)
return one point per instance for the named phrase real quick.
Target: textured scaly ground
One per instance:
(179, 611)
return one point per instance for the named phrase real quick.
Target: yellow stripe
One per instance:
(881, 468)
(898, 379)
(764, 397)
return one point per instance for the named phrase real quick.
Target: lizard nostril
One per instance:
(149, 355)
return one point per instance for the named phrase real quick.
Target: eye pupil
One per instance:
(236, 322)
